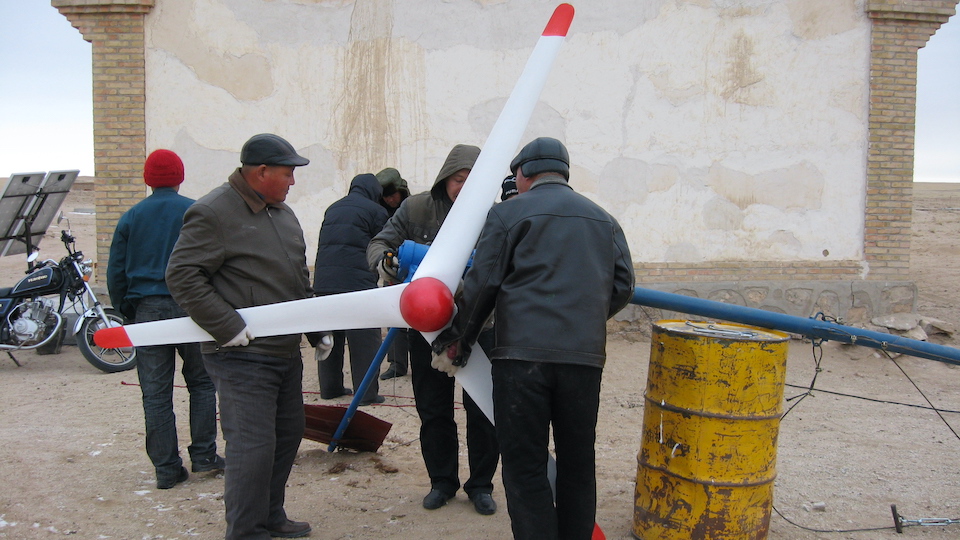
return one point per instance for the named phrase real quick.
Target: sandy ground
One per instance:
(72, 460)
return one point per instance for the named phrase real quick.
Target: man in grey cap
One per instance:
(241, 246)
(551, 336)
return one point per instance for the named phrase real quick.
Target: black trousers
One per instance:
(400, 351)
(434, 393)
(527, 398)
(363, 344)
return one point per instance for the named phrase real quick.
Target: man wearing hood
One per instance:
(419, 219)
(395, 191)
(348, 226)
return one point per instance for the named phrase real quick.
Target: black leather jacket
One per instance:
(555, 266)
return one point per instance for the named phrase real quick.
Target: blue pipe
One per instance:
(811, 328)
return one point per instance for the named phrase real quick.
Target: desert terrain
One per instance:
(72, 462)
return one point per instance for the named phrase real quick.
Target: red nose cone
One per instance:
(426, 304)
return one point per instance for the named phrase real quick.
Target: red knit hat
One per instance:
(163, 168)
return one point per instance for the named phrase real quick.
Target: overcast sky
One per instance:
(46, 115)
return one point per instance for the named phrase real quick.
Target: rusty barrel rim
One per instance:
(721, 330)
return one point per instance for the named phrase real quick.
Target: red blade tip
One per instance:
(112, 338)
(560, 21)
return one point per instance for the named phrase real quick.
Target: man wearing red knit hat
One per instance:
(141, 247)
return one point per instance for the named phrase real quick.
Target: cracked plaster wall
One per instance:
(714, 130)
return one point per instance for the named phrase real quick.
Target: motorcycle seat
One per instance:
(5, 291)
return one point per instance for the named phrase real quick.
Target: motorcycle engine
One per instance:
(29, 321)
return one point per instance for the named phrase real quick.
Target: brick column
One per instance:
(900, 28)
(115, 30)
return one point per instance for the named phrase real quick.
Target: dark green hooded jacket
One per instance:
(420, 216)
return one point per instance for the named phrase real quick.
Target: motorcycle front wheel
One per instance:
(108, 360)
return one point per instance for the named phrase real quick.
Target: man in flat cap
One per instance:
(241, 246)
(550, 337)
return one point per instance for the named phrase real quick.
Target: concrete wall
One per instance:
(714, 130)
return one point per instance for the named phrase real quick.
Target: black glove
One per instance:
(449, 349)
(447, 337)
(388, 268)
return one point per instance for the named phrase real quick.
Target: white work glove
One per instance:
(388, 268)
(444, 361)
(324, 346)
(240, 340)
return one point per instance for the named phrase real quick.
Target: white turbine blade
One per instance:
(476, 380)
(450, 251)
(371, 308)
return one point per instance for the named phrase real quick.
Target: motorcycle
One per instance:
(33, 318)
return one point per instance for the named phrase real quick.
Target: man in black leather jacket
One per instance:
(553, 267)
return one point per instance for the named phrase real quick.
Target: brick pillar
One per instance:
(115, 30)
(900, 29)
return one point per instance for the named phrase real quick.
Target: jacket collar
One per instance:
(249, 196)
(550, 179)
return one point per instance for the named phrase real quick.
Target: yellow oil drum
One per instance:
(707, 459)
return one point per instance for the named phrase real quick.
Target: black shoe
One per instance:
(290, 529)
(215, 463)
(484, 503)
(343, 392)
(435, 499)
(377, 400)
(392, 372)
(167, 484)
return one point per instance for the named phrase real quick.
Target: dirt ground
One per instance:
(72, 460)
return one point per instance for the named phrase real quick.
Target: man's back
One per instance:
(348, 226)
(562, 266)
(142, 243)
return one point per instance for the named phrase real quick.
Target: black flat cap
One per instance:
(270, 149)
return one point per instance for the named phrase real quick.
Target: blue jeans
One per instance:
(261, 414)
(156, 366)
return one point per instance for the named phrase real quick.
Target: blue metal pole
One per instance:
(372, 371)
(811, 328)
